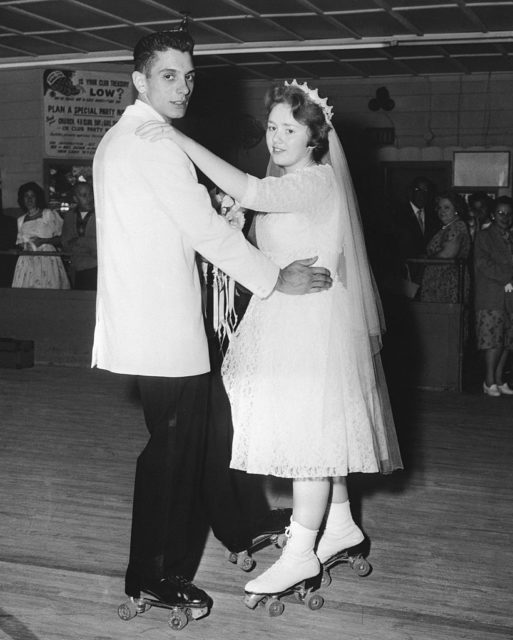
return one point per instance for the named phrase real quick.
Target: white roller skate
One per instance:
(296, 574)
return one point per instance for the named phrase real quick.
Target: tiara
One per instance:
(313, 94)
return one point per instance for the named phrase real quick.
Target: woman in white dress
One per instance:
(39, 229)
(303, 373)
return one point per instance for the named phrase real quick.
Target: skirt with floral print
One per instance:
(494, 329)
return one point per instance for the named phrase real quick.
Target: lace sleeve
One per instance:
(299, 191)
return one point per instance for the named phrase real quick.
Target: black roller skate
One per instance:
(271, 531)
(181, 598)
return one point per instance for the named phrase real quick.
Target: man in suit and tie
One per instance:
(415, 221)
(152, 218)
(410, 225)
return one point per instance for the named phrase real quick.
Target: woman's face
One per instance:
(30, 200)
(287, 139)
(445, 210)
(503, 216)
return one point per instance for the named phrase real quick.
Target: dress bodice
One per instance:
(458, 229)
(47, 226)
(302, 218)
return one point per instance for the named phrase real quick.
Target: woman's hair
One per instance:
(146, 49)
(457, 201)
(304, 111)
(481, 196)
(38, 192)
(502, 200)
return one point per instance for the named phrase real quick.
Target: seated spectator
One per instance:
(493, 264)
(8, 232)
(480, 207)
(451, 241)
(39, 229)
(79, 238)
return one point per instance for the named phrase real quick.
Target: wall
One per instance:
(21, 129)
(432, 117)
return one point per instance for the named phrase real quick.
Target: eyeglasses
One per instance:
(501, 212)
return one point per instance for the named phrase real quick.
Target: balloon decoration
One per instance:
(381, 101)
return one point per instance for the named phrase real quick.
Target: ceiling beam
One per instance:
(123, 55)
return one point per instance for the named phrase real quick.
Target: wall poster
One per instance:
(80, 107)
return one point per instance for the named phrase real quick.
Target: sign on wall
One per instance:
(79, 107)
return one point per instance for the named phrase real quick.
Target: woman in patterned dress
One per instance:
(39, 229)
(452, 241)
(493, 266)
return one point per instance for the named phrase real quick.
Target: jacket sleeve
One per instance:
(486, 260)
(187, 203)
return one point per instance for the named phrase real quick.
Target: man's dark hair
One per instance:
(148, 46)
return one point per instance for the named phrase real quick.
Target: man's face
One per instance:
(84, 197)
(420, 194)
(169, 85)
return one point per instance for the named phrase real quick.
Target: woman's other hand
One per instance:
(508, 288)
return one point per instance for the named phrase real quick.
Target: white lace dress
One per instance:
(303, 405)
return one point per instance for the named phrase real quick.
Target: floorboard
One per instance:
(440, 531)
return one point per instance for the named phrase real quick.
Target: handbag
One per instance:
(400, 285)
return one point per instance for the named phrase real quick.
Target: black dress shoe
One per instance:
(177, 590)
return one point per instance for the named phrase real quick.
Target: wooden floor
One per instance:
(440, 530)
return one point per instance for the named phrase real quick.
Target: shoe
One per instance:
(505, 389)
(297, 562)
(177, 590)
(340, 532)
(492, 390)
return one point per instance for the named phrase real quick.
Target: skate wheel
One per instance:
(230, 556)
(127, 610)
(325, 579)
(245, 562)
(361, 566)
(274, 607)
(281, 541)
(251, 600)
(197, 612)
(314, 601)
(177, 619)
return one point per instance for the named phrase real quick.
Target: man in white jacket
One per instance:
(152, 219)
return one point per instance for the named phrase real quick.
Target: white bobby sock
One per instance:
(340, 532)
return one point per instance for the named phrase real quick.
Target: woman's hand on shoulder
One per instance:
(156, 130)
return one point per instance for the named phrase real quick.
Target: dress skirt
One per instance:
(303, 404)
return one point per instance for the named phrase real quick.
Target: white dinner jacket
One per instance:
(152, 217)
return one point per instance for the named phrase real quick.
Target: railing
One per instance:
(14, 252)
(459, 263)
(460, 307)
